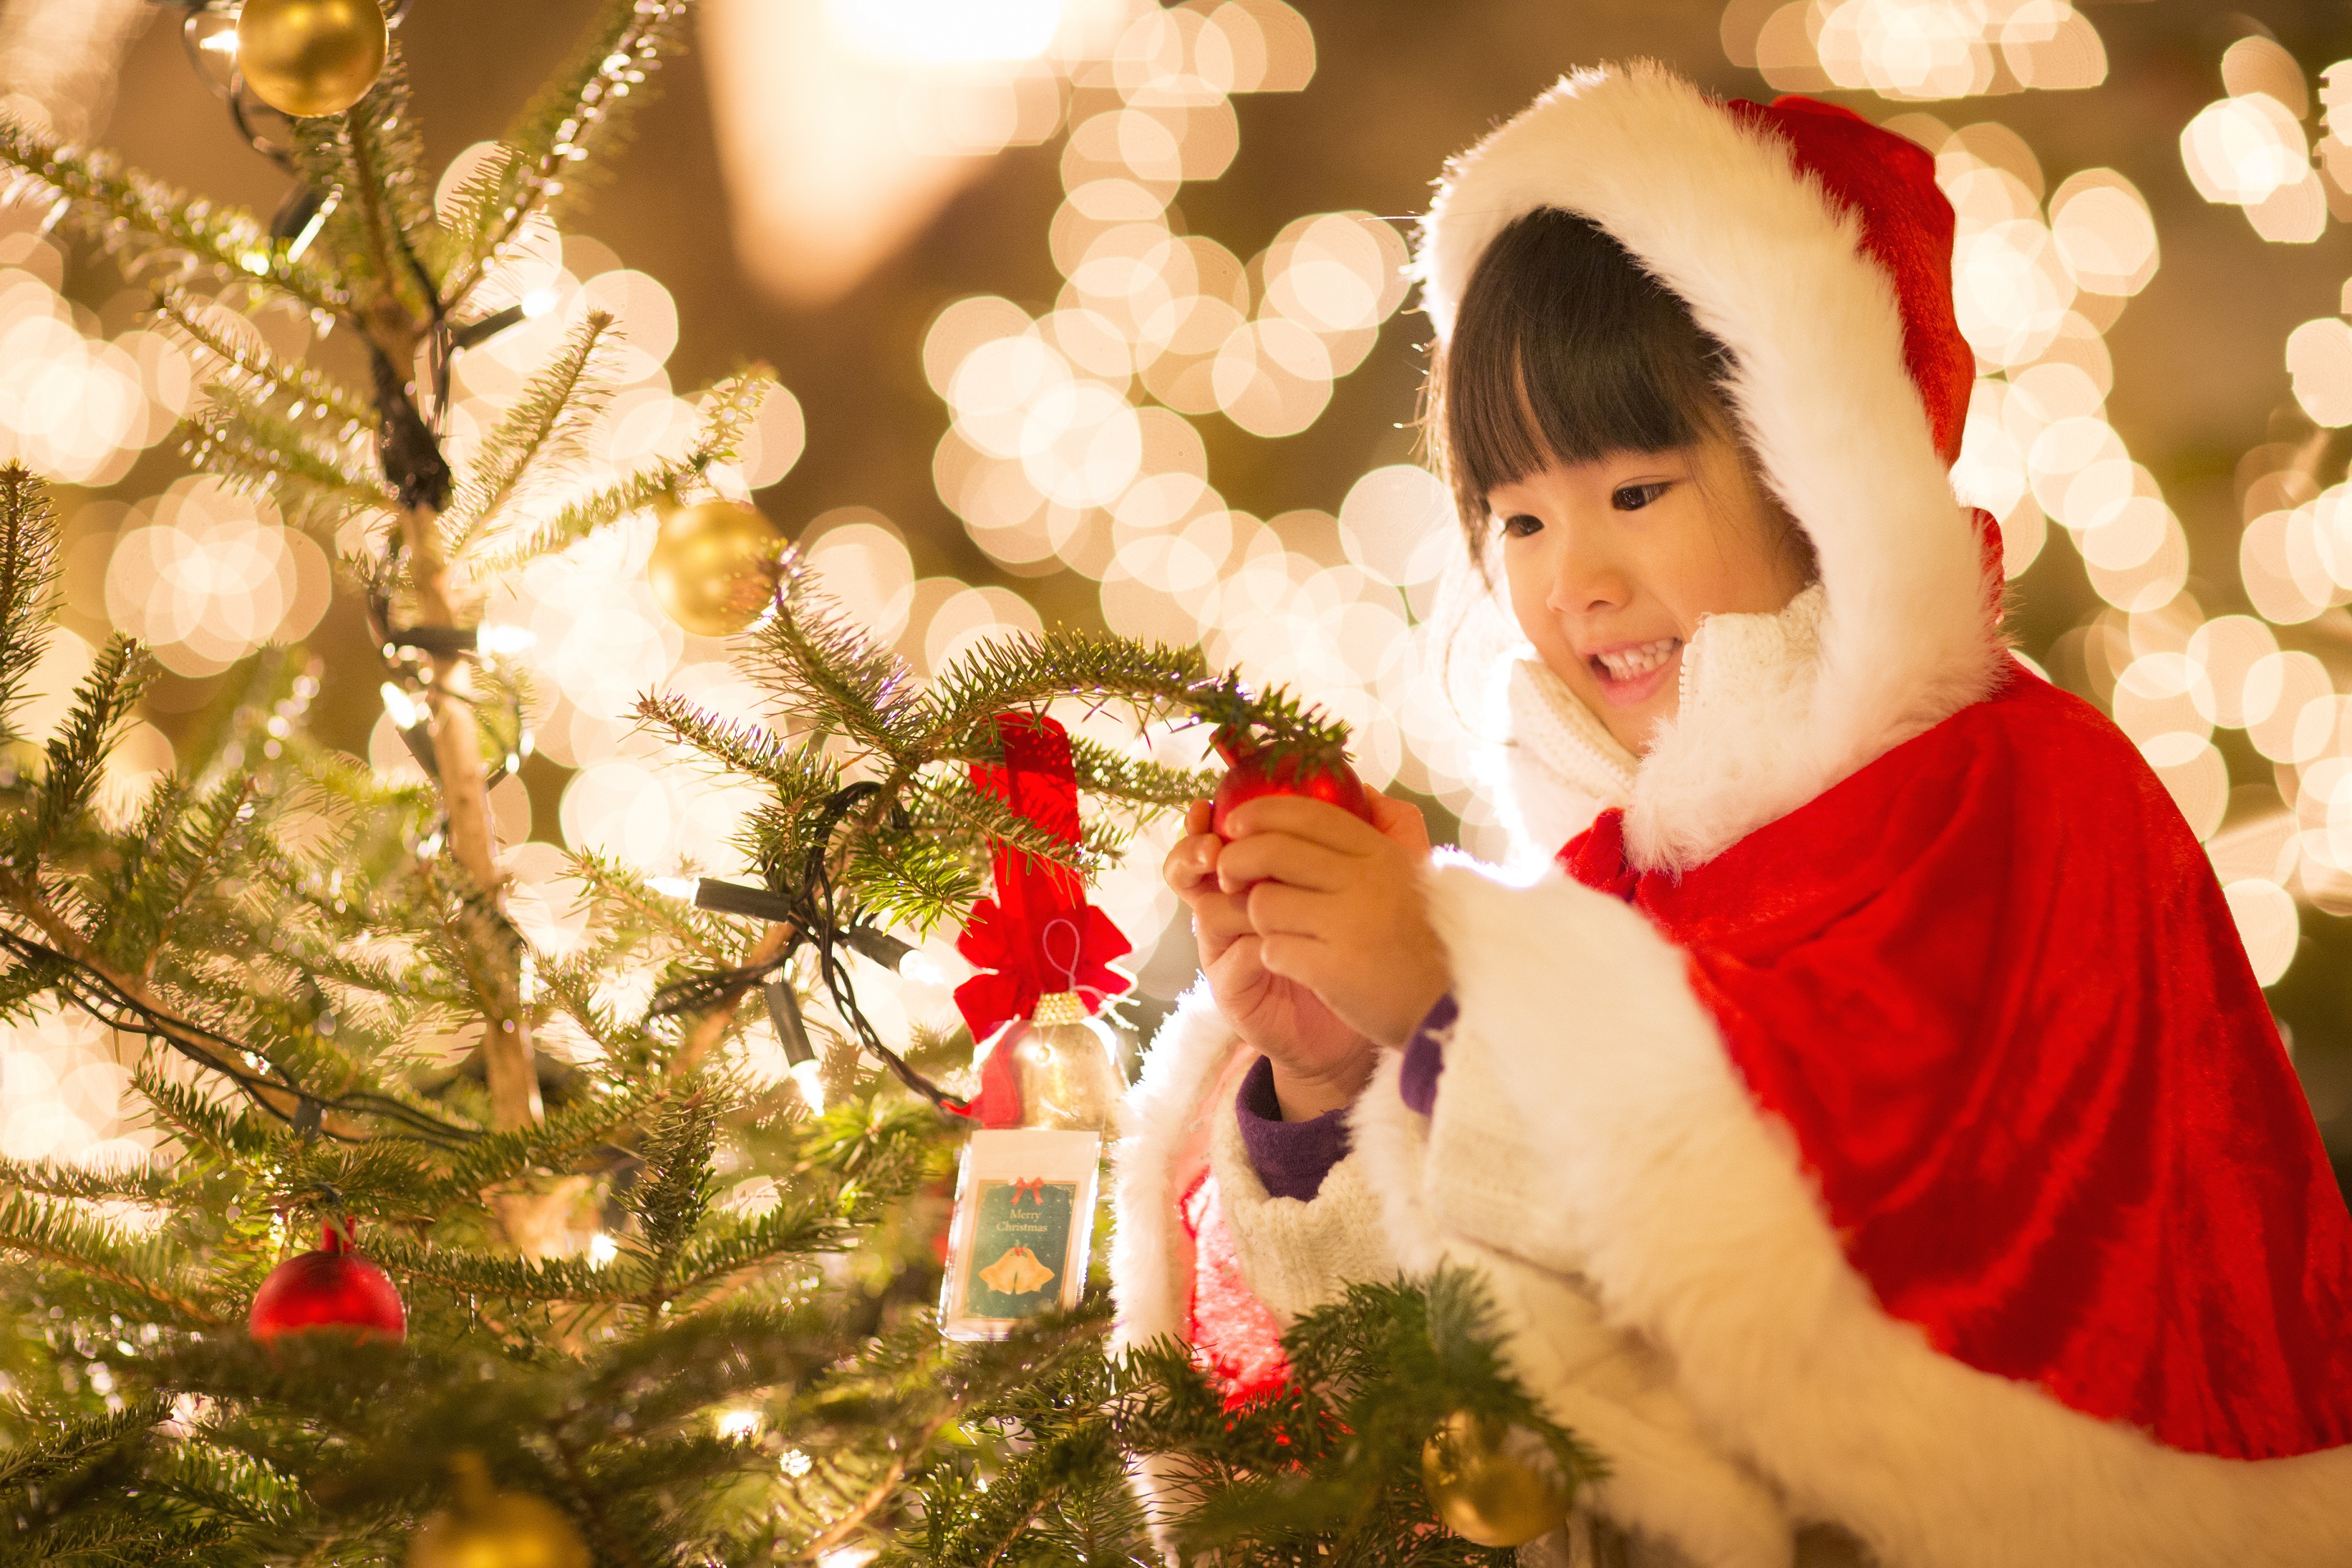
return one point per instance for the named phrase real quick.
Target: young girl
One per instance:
(1872, 1133)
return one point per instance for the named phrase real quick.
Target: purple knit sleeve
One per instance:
(1291, 1157)
(1424, 1057)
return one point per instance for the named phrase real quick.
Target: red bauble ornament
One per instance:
(332, 1287)
(1253, 770)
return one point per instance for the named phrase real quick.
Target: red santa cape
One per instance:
(1990, 984)
(1882, 1127)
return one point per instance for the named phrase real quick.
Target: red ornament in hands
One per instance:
(332, 1287)
(1254, 769)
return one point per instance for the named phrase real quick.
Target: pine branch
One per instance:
(690, 1362)
(101, 704)
(178, 845)
(28, 573)
(132, 216)
(799, 1224)
(253, 372)
(946, 804)
(1327, 1469)
(597, 510)
(574, 120)
(554, 1143)
(918, 882)
(548, 425)
(54, 1232)
(801, 774)
(673, 1194)
(1114, 774)
(501, 1277)
(145, 1184)
(69, 1445)
(829, 675)
(727, 414)
(387, 138)
(210, 1130)
(246, 442)
(372, 159)
(26, 982)
(1030, 671)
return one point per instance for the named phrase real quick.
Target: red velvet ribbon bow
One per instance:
(1031, 1187)
(1038, 936)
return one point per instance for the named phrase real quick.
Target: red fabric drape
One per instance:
(1991, 986)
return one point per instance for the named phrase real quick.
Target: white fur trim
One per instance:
(1165, 1128)
(1665, 1479)
(1690, 1217)
(1718, 212)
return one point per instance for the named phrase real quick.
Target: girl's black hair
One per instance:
(1564, 349)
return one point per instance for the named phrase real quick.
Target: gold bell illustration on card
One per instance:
(1016, 1273)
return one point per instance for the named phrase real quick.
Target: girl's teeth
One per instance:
(1632, 662)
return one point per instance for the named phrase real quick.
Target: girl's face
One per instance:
(1611, 564)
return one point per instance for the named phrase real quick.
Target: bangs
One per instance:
(1563, 350)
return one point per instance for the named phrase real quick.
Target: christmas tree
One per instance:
(552, 1338)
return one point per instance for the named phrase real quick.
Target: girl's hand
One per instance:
(1338, 908)
(1319, 1062)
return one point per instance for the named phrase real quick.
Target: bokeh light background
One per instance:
(1092, 313)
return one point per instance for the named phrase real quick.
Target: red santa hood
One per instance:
(1889, 1059)
(1818, 249)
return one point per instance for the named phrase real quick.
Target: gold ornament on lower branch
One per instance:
(715, 566)
(491, 1528)
(308, 57)
(1492, 1484)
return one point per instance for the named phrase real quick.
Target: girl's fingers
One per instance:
(1276, 908)
(1302, 959)
(1402, 823)
(1196, 817)
(1317, 821)
(1191, 864)
(1279, 857)
(1219, 918)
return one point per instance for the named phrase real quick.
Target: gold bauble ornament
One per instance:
(307, 57)
(490, 1529)
(715, 566)
(1063, 1059)
(1491, 1485)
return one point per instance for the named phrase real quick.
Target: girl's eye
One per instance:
(1633, 498)
(1519, 525)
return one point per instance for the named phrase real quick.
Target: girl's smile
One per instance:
(1613, 562)
(1632, 672)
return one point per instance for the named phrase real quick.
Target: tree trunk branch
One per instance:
(507, 1063)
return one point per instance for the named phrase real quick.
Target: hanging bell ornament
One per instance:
(1063, 1062)
(1490, 1484)
(308, 57)
(715, 566)
(490, 1529)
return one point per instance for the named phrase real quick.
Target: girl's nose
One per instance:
(1585, 579)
